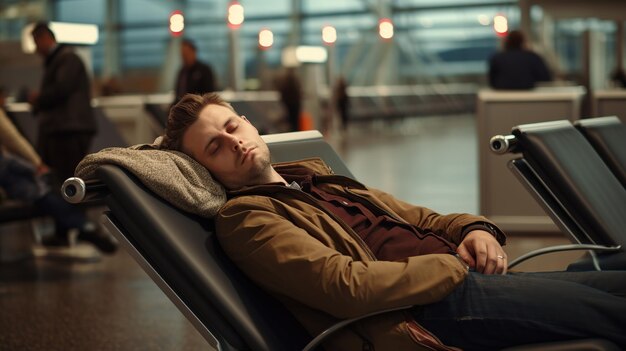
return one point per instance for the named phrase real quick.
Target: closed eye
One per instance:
(231, 127)
(213, 148)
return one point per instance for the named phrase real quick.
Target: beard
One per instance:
(259, 172)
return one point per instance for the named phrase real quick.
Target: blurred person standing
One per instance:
(618, 77)
(342, 101)
(517, 67)
(291, 97)
(194, 76)
(63, 106)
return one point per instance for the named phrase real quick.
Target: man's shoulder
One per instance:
(65, 54)
(66, 51)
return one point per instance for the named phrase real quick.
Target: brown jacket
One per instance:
(323, 272)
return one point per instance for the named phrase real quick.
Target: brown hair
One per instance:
(184, 114)
(515, 40)
(42, 28)
(189, 43)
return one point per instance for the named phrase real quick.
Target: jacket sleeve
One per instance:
(11, 138)
(451, 226)
(63, 82)
(285, 259)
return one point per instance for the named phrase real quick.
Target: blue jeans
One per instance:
(18, 179)
(490, 312)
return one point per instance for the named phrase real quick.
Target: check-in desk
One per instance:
(610, 103)
(502, 197)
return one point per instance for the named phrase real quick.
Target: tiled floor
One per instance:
(430, 161)
(113, 305)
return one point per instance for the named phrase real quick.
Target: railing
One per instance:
(399, 101)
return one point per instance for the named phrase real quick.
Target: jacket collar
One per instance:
(313, 165)
(295, 170)
(54, 53)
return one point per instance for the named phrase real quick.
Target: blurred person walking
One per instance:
(517, 67)
(194, 76)
(342, 101)
(291, 97)
(63, 106)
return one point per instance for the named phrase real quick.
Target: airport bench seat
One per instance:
(573, 184)
(181, 254)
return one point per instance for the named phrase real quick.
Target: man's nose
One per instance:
(236, 143)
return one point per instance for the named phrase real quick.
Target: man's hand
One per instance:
(33, 96)
(482, 252)
(42, 169)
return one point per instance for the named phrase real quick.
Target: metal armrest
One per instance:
(75, 190)
(570, 247)
(340, 325)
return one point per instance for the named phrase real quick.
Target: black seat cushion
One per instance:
(607, 135)
(579, 178)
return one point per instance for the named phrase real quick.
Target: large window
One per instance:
(434, 39)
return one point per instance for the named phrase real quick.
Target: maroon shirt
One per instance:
(389, 239)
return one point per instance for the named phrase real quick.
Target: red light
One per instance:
(266, 39)
(500, 25)
(329, 35)
(177, 23)
(235, 15)
(385, 28)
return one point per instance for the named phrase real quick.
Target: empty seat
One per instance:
(607, 135)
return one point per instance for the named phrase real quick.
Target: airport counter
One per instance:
(141, 118)
(502, 197)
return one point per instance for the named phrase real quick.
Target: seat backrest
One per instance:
(301, 145)
(607, 135)
(572, 170)
(183, 250)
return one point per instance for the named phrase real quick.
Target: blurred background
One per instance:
(433, 41)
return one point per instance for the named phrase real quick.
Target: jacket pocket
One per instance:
(425, 338)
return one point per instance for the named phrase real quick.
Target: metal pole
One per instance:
(619, 45)
(111, 66)
(236, 67)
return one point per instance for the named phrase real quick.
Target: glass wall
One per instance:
(434, 41)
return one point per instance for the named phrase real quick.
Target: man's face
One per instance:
(228, 146)
(43, 43)
(188, 55)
